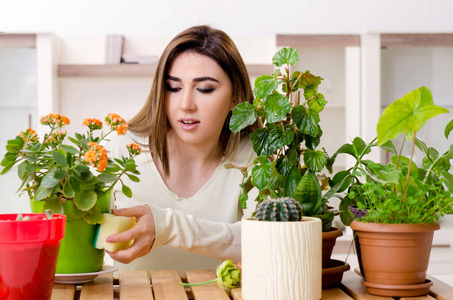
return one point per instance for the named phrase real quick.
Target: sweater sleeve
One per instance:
(214, 239)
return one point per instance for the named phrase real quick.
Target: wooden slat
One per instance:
(166, 285)
(63, 292)
(101, 288)
(17, 40)
(417, 40)
(427, 297)
(353, 286)
(135, 285)
(135, 70)
(334, 294)
(207, 291)
(318, 40)
(236, 294)
(440, 290)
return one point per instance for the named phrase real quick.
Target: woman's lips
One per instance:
(189, 124)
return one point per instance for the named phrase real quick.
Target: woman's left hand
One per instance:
(143, 234)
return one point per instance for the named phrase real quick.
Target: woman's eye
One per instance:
(205, 91)
(173, 89)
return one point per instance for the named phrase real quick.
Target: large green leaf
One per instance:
(60, 157)
(407, 115)
(277, 107)
(264, 86)
(278, 139)
(260, 143)
(287, 162)
(261, 172)
(49, 181)
(85, 200)
(306, 119)
(315, 160)
(42, 193)
(243, 115)
(285, 56)
(308, 193)
(292, 180)
(318, 103)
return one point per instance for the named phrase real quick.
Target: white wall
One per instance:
(83, 18)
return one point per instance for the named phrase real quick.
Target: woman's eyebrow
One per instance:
(196, 79)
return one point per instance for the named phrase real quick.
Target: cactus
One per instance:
(281, 209)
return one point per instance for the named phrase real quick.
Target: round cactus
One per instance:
(281, 209)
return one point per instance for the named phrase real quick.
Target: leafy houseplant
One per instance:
(400, 191)
(403, 200)
(56, 172)
(288, 163)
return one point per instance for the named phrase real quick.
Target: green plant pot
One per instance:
(77, 252)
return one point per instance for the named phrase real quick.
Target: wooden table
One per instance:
(164, 285)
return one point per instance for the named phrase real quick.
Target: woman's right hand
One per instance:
(143, 234)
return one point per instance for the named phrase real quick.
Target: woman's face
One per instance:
(198, 98)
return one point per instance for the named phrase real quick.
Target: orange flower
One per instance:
(134, 149)
(92, 123)
(96, 156)
(29, 135)
(54, 119)
(116, 123)
(55, 139)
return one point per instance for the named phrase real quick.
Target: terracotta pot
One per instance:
(329, 239)
(281, 260)
(395, 254)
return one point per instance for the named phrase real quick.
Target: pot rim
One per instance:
(379, 227)
(304, 220)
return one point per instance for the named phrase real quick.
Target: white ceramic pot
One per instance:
(281, 260)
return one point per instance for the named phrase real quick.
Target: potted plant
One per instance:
(75, 179)
(400, 197)
(288, 163)
(29, 247)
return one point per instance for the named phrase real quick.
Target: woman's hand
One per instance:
(143, 233)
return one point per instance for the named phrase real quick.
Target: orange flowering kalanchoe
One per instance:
(97, 156)
(92, 123)
(134, 149)
(54, 120)
(29, 135)
(117, 123)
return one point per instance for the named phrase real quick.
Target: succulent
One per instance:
(281, 209)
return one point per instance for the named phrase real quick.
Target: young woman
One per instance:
(191, 217)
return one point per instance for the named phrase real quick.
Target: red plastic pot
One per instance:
(28, 255)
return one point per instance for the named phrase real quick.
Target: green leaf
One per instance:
(277, 139)
(407, 115)
(69, 149)
(243, 115)
(315, 160)
(318, 102)
(105, 177)
(292, 180)
(287, 162)
(127, 191)
(284, 56)
(75, 184)
(448, 180)
(306, 120)
(93, 216)
(59, 174)
(261, 173)
(133, 177)
(308, 193)
(60, 157)
(265, 85)
(245, 188)
(13, 148)
(30, 168)
(260, 143)
(360, 146)
(81, 169)
(85, 200)
(67, 190)
(388, 146)
(277, 107)
(449, 153)
(42, 193)
(54, 204)
(130, 165)
(422, 145)
(49, 181)
(448, 128)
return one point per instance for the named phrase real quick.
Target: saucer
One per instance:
(409, 290)
(82, 277)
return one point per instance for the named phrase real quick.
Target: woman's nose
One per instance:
(187, 101)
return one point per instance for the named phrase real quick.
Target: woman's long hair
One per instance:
(152, 119)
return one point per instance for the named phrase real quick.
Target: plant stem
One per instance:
(401, 151)
(199, 283)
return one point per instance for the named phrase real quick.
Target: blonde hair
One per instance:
(152, 120)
